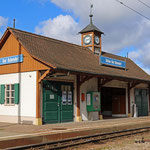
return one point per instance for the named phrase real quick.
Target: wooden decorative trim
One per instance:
(103, 81)
(133, 84)
(44, 75)
(5, 36)
(82, 39)
(93, 42)
(37, 95)
(88, 45)
(100, 40)
(85, 78)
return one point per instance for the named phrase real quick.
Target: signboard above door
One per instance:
(112, 62)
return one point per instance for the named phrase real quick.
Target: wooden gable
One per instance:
(12, 47)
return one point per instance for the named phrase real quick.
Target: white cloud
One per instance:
(62, 28)
(3, 23)
(122, 27)
(142, 55)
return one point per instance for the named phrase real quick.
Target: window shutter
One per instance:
(2, 94)
(16, 93)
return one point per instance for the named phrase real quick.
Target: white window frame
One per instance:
(10, 97)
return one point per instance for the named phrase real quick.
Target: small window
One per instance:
(9, 94)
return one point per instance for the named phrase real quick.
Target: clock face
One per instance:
(87, 39)
(96, 40)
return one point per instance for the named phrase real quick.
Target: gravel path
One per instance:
(126, 143)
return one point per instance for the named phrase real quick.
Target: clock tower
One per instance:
(91, 37)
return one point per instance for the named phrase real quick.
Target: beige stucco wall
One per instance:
(88, 86)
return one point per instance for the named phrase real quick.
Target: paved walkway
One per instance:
(8, 130)
(15, 134)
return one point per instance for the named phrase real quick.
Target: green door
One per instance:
(57, 102)
(141, 100)
(66, 102)
(144, 103)
(51, 102)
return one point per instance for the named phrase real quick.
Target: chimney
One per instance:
(14, 23)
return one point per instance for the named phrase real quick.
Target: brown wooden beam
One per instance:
(86, 78)
(37, 95)
(44, 75)
(103, 81)
(105, 76)
(133, 84)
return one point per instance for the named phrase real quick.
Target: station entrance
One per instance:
(57, 102)
(113, 102)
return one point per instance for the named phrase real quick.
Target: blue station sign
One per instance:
(112, 62)
(11, 59)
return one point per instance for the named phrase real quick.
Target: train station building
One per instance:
(44, 80)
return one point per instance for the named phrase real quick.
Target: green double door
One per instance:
(57, 102)
(141, 100)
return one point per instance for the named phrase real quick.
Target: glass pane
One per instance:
(7, 100)
(12, 87)
(12, 100)
(12, 94)
(7, 87)
(7, 94)
(69, 88)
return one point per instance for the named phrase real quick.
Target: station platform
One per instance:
(16, 135)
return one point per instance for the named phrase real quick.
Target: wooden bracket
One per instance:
(103, 81)
(132, 84)
(44, 75)
(84, 78)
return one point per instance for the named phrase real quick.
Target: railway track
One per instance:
(61, 144)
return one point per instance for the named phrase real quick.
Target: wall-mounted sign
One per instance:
(69, 98)
(51, 96)
(112, 62)
(64, 97)
(88, 99)
(11, 59)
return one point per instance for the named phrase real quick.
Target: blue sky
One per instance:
(125, 31)
(28, 13)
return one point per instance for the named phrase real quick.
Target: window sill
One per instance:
(9, 104)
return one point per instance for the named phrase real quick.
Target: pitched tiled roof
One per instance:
(67, 56)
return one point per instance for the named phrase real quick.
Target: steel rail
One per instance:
(60, 144)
